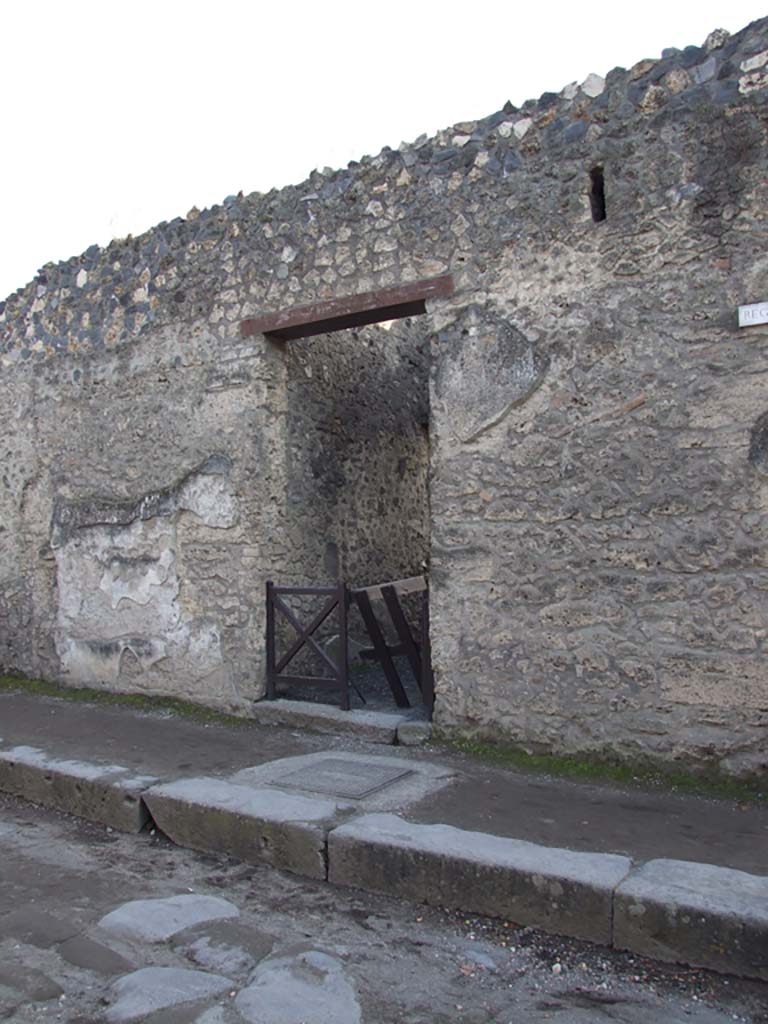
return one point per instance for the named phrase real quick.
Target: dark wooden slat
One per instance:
(428, 678)
(403, 631)
(284, 610)
(410, 585)
(349, 311)
(342, 602)
(382, 652)
(306, 632)
(270, 642)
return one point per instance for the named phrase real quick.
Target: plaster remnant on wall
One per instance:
(118, 585)
(212, 500)
(487, 367)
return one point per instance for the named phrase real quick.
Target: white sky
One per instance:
(116, 116)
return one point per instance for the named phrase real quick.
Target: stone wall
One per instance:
(597, 432)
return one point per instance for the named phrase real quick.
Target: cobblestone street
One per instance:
(282, 949)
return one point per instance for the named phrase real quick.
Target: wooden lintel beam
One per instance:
(350, 311)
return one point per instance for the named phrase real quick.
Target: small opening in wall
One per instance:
(597, 194)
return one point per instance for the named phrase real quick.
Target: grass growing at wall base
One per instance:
(596, 768)
(137, 701)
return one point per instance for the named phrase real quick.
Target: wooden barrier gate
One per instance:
(338, 600)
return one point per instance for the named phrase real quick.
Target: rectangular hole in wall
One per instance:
(597, 194)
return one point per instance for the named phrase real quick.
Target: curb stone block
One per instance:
(107, 794)
(268, 826)
(697, 914)
(556, 890)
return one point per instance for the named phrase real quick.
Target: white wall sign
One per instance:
(757, 313)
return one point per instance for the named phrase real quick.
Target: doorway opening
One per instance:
(356, 498)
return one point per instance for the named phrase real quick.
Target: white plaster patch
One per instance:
(119, 611)
(82, 278)
(125, 579)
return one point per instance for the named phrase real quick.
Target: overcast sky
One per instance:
(116, 116)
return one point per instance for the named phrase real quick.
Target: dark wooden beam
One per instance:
(350, 311)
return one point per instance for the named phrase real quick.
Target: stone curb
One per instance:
(555, 890)
(676, 911)
(107, 794)
(285, 830)
(699, 914)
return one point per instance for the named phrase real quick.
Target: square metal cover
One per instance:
(337, 777)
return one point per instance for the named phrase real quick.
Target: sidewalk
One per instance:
(594, 861)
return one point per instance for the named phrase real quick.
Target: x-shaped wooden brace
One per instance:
(305, 633)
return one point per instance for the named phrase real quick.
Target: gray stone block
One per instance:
(310, 986)
(285, 830)
(413, 733)
(108, 794)
(696, 914)
(556, 890)
(374, 726)
(158, 920)
(151, 989)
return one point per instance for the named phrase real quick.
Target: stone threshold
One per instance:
(407, 727)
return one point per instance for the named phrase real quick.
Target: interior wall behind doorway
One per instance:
(358, 454)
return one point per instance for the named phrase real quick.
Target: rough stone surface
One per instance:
(32, 985)
(109, 794)
(151, 989)
(36, 927)
(94, 956)
(285, 830)
(556, 890)
(595, 531)
(310, 986)
(697, 914)
(159, 920)
(225, 947)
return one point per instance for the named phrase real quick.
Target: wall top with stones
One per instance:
(427, 207)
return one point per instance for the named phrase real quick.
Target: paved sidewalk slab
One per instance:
(285, 830)
(107, 794)
(695, 914)
(556, 890)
